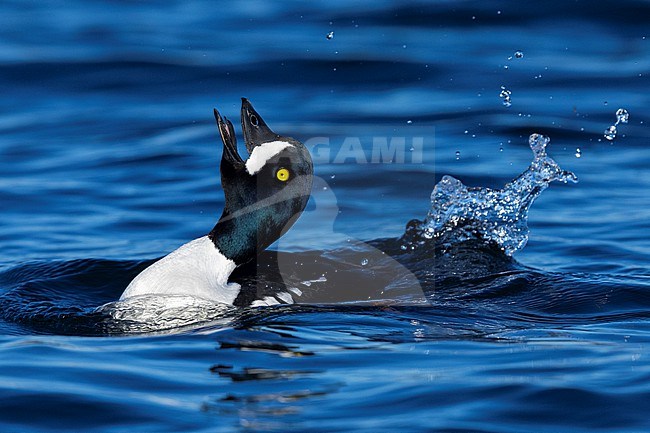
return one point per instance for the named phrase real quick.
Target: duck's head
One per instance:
(265, 194)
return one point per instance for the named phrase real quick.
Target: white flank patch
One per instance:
(196, 269)
(262, 153)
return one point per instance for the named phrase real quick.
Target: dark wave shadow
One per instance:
(60, 297)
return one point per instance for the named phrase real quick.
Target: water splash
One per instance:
(155, 313)
(622, 116)
(459, 213)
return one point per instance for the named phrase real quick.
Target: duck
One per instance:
(264, 196)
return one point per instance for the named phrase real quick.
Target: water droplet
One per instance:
(404, 46)
(457, 154)
(505, 66)
(505, 96)
(466, 132)
(324, 188)
(332, 176)
(409, 121)
(578, 153)
(610, 133)
(519, 54)
(330, 35)
(364, 262)
(622, 116)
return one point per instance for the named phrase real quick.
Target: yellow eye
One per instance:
(282, 175)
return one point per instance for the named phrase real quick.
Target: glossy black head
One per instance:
(265, 194)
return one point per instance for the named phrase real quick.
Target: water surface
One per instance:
(109, 158)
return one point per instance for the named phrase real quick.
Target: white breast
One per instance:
(195, 269)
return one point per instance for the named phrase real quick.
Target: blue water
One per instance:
(109, 158)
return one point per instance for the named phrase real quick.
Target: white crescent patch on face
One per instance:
(262, 153)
